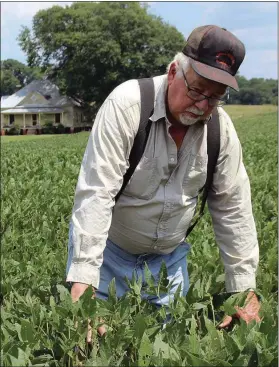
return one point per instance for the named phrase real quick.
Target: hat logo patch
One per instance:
(225, 60)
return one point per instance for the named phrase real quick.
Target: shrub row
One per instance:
(48, 128)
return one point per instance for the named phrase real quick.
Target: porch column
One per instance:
(62, 118)
(24, 120)
(39, 119)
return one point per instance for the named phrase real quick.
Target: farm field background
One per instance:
(38, 179)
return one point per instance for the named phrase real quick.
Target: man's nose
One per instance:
(202, 105)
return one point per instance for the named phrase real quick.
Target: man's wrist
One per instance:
(247, 290)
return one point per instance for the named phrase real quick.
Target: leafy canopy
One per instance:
(89, 48)
(15, 75)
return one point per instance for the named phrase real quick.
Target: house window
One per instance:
(57, 118)
(12, 119)
(34, 119)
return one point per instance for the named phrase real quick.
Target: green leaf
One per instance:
(193, 337)
(199, 306)
(149, 278)
(139, 327)
(87, 303)
(160, 347)
(28, 333)
(242, 360)
(232, 347)
(112, 292)
(52, 302)
(63, 292)
(222, 363)
(163, 275)
(19, 358)
(144, 351)
(196, 361)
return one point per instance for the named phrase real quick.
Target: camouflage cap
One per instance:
(215, 54)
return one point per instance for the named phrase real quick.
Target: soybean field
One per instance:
(40, 326)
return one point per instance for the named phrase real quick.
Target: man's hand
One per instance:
(247, 313)
(77, 290)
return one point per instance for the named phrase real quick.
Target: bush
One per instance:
(60, 129)
(48, 128)
(274, 100)
(15, 130)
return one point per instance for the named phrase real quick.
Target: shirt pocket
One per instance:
(195, 177)
(145, 179)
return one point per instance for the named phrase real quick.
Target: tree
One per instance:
(8, 82)
(89, 48)
(15, 75)
(250, 96)
(254, 91)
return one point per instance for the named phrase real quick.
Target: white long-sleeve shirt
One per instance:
(156, 208)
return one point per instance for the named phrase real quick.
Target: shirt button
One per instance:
(172, 159)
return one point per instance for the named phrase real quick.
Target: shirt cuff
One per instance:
(239, 282)
(84, 273)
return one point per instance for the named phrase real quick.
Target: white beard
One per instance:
(187, 120)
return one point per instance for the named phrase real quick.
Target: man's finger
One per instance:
(102, 330)
(89, 333)
(226, 322)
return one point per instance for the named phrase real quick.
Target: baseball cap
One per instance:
(215, 54)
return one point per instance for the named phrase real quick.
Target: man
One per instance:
(149, 221)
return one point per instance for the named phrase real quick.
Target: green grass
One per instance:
(23, 138)
(240, 111)
(38, 180)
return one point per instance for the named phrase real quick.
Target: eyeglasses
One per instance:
(197, 96)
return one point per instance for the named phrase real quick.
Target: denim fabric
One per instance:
(118, 263)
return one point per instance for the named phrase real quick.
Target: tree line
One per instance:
(88, 48)
(255, 91)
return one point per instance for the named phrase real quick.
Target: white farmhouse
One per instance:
(38, 103)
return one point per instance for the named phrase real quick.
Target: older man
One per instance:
(149, 221)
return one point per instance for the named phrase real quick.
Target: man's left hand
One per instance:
(247, 313)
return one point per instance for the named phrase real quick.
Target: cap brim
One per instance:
(218, 75)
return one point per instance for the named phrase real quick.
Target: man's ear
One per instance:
(172, 72)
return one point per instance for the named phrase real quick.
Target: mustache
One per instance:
(194, 110)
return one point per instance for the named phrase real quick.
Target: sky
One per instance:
(254, 23)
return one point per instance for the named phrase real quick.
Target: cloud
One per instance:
(208, 11)
(244, 14)
(13, 15)
(258, 37)
(266, 6)
(25, 10)
(258, 63)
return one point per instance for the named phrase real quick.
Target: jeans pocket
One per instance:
(186, 246)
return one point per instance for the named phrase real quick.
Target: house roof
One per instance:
(45, 88)
(33, 110)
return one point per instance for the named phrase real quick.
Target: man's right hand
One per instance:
(77, 290)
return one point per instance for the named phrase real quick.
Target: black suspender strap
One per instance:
(147, 106)
(213, 149)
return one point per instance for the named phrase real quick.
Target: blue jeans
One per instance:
(118, 263)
